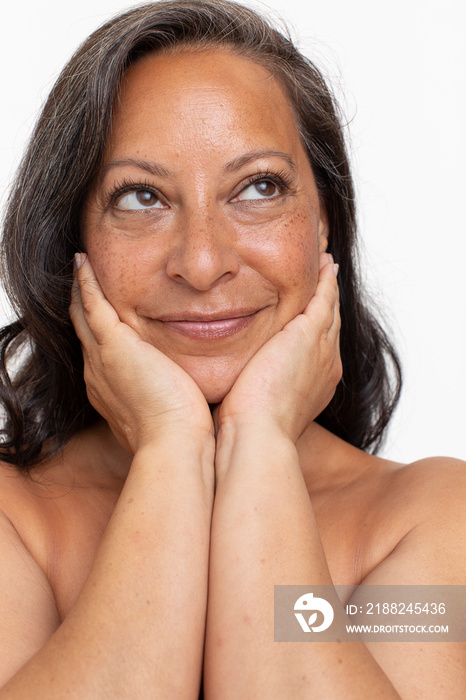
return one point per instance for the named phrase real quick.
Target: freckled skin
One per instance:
(202, 250)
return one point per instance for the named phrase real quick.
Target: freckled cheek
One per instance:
(120, 273)
(294, 260)
(299, 275)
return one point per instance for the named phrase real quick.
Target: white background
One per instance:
(399, 69)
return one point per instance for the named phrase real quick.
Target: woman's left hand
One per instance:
(293, 377)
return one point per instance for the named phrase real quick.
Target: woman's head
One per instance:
(56, 182)
(205, 211)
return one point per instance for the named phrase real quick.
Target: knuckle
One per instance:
(86, 306)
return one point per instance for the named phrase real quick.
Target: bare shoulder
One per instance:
(423, 506)
(24, 500)
(20, 500)
(394, 520)
(430, 472)
(16, 494)
(433, 489)
(27, 506)
(27, 605)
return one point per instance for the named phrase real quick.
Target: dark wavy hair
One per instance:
(41, 365)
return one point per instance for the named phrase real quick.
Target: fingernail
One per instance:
(330, 257)
(335, 269)
(80, 259)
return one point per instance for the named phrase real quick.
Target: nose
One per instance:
(203, 250)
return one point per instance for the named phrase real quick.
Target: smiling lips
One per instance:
(212, 326)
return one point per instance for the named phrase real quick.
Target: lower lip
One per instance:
(210, 329)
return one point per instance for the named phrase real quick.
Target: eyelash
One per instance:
(281, 179)
(124, 186)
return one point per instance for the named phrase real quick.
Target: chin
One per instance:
(214, 392)
(214, 378)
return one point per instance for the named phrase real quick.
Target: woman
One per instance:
(177, 451)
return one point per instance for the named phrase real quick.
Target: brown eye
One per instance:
(265, 187)
(261, 189)
(145, 197)
(139, 199)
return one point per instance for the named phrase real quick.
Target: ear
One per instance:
(323, 230)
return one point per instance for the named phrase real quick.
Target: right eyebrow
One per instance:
(151, 167)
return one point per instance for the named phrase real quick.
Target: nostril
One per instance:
(202, 263)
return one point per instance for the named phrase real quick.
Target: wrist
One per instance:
(265, 422)
(173, 429)
(246, 440)
(184, 453)
(249, 423)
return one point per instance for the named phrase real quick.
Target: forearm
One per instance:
(264, 534)
(137, 628)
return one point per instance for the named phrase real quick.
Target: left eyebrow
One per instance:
(239, 162)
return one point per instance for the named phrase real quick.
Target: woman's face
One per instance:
(205, 227)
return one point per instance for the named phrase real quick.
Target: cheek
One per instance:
(118, 268)
(297, 259)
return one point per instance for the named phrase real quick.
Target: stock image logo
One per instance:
(377, 613)
(310, 604)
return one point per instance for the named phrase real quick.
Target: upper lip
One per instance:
(205, 317)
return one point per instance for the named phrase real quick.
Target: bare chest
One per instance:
(76, 534)
(66, 529)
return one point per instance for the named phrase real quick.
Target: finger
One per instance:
(324, 305)
(324, 259)
(76, 312)
(336, 309)
(99, 314)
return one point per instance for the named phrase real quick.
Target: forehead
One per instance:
(210, 98)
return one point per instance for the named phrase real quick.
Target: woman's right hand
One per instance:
(135, 387)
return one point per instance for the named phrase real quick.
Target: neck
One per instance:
(97, 447)
(327, 461)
